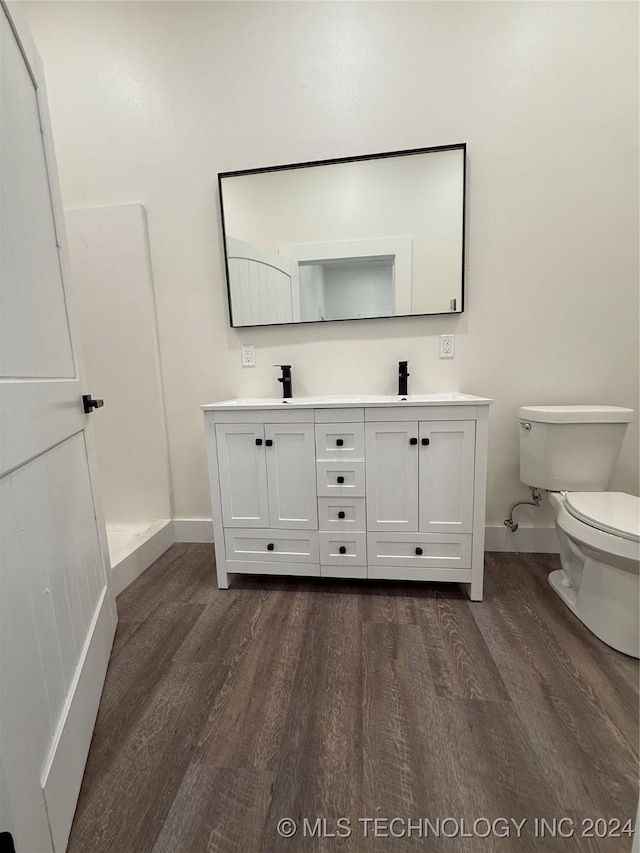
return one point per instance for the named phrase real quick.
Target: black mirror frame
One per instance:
(460, 146)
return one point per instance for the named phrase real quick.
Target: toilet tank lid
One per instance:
(613, 512)
(576, 414)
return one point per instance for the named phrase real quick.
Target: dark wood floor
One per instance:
(226, 711)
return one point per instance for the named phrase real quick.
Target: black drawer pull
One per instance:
(258, 441)
(342, 549)
(425, 442)
(269, 442)
(340, 480)
(342, 514)
(339, 442)
(413, 441)
(270, 546)
(418, 552)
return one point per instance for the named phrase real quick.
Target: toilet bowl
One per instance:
(570, 452)
(599, 535)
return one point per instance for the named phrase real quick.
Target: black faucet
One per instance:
(287, 389)
(403, 375)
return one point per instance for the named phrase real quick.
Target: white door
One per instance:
(243, 475)
(447, 450)
(57, 614)
(263, 285)
(291, 473)
(392, 476)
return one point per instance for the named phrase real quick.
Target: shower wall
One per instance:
(114, 296)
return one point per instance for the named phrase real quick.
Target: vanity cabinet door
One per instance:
(243, 475)
(447, 455)
(392, 452)
(291, 473)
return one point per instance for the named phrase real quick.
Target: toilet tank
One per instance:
(570, 448)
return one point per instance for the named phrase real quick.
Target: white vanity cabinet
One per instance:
(420, 476)
(350, 487)
(267, 475)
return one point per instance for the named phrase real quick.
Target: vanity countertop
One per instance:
(376, 400)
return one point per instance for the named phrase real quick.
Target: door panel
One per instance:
(37, 415)
(52, 549)
(23, 691)
(291, 469)
(392, 476)
(33, 307)
(446, 476)
(243, 475)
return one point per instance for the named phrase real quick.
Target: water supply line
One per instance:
(536, 498)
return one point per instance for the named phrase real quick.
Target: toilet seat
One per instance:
(612, 512)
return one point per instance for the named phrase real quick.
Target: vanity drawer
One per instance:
(342, 513)
(296, 546)
(340, 441)
(340, 478)
(438, 550)
(343, 549)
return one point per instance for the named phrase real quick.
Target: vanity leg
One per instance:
(223, 578)
(475, 588)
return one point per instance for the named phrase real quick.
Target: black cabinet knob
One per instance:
(269, 442)
(342, 514)
(342, 549)
(270, 546)
(413, 441)
(258, 441)
(340, 480)
(339, 442)
(418, 552)
(425, 442)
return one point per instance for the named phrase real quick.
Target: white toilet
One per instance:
(571, 451)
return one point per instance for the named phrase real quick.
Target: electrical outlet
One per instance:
(248, 355)
(447, 346)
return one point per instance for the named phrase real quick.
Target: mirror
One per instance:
(354, 238)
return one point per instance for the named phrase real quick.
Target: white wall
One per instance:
(109, 254)
(311, 289)
(150, 100)
(358, 289)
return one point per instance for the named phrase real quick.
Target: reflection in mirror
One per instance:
(376, 236)
(346, 287)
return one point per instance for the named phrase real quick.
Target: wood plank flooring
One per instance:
(225, 711)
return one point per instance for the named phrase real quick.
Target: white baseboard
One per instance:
(497, 537)
(149, 549)
(527, 540)
(64, 769)
(193, 529)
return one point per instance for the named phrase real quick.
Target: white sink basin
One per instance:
(453, 398)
